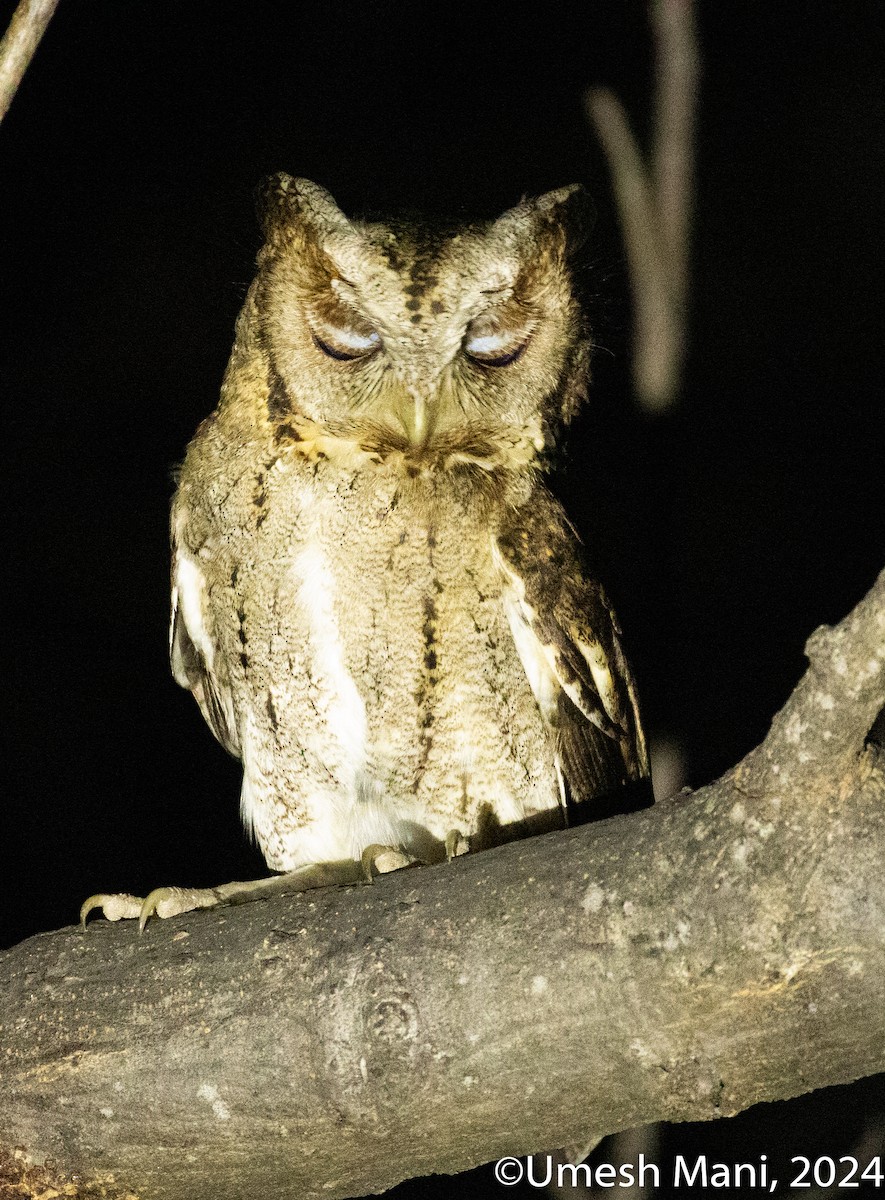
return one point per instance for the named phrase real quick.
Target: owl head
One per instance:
(422, 332)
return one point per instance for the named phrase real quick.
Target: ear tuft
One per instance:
(567, 213)
(272, 203)
(285, 205)
(571, 209)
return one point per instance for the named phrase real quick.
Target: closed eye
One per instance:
(347, 345)
(341, 332)
(492, 343)
(491, 356)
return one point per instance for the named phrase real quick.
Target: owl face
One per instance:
(402, 328)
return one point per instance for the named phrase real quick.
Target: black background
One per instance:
(726, 530)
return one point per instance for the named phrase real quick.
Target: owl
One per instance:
(376, 602)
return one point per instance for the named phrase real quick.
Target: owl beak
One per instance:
(413, 414)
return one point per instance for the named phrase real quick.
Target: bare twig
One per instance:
(673, 150)
(655, 202)
(21, 39)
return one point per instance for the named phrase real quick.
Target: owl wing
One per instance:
(569, 641)
(196, 664)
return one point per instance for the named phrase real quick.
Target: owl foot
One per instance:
(379, 860)
(119, 906)
(164, 902)
(172, 901)
(456, 844)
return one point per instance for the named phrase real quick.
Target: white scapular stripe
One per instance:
(189, 596)
(345, 710)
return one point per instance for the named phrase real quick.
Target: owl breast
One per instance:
(378, 691)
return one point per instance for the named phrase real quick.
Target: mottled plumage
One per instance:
(376, 602)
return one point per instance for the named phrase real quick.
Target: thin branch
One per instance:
(654, 314)
(655, 204)
(673, 150)
(21, 39)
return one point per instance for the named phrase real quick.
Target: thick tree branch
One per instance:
(722, 948)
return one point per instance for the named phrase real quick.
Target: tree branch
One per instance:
(21, 39)
(681, 963)
(655, 202)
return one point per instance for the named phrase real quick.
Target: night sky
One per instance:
(726, 530)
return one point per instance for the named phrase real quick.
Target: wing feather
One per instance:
(569, 642)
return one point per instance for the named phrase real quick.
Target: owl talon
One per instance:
(379, 860)
(114, 906)
(162, 902)
(456, 844)
(172, 901)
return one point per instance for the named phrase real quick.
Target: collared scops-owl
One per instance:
(377, 603)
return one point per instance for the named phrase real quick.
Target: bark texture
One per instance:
(681, 963)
